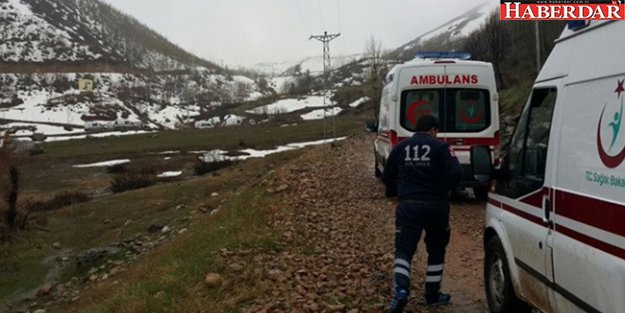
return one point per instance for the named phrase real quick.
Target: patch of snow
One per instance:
(103, 164)
(169, 174)
(220, 155)
(319, 114)
(359, 102)
(290, 105)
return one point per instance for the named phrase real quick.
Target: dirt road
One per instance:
(338, 232)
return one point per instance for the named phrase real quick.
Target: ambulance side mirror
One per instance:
(481, 163)
(372, 126)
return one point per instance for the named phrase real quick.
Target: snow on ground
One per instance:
(40, 128)
(233, 120)
(170, 174)
(103, 164)
(96, 135)
(359, 102)
(318, 114)
(290, 105)
(220, 155)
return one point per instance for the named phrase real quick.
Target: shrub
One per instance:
(59, 201)
(202, 167)
(117, 168)
(125, 182)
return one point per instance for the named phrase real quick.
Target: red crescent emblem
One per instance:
(412, 109)
(471, 120)
(609, 161)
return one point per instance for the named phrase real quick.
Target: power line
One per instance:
(338, 14)
(323, 23)
(301, 14)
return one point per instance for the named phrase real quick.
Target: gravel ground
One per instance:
(335, 229)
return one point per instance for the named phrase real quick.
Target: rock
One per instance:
(92, 257)
(237, 267)
(282, 188)
(213, 280)
(203, 210)
(160, 295)
(182, 231)
(127, 222)
(56, 245)
(46, 290)
(92, 271)
(165, 230)
(108, 220)
(335, 307)
(180, 207)
(214, 194)
(93, 277)
(213, 212)
(40, 311)
(153, 228)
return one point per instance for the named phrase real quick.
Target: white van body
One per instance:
(96, 126)
(462, 94)
(558, 208)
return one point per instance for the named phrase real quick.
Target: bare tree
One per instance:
(374, 54)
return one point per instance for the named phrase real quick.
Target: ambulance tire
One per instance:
(378, 173)
(481, 193)
(498, 284)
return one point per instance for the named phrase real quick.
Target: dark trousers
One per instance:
(413, 217)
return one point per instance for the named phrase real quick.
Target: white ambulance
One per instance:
(555, 222)
(462, 94)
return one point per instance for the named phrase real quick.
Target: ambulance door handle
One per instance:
(547, 210)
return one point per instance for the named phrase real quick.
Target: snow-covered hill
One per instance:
(49, 47)
(450, 32)
(312, 64)
(71, 31)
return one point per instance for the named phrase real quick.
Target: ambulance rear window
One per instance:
(458, 109)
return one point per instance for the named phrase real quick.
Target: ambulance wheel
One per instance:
(499, 291)
(378, 173)
(481, 193)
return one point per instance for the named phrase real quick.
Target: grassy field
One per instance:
(258, 137)
(30, 259)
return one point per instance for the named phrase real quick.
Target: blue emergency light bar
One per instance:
(443, 55)
(577, 25)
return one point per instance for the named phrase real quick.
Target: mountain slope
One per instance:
(49, 47)
(79, 31)
(448, 35)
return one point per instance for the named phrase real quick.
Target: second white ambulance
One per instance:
(555, 222)
(461, 94)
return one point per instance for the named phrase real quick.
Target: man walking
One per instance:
(421, 171)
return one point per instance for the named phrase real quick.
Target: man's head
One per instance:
(427, 124)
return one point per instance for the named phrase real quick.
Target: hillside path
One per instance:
(338, 228)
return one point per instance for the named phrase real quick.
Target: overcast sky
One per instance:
(245, 32)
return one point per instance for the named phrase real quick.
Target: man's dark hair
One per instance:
(426, 123)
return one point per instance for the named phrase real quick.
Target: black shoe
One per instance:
(438, 299)
(399, 302)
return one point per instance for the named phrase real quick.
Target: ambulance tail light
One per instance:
(392, 135)
(497, 150)
(497, 140)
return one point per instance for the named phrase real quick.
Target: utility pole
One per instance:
(537, 36)
(325, 39)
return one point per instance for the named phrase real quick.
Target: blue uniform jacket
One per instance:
(421, 168)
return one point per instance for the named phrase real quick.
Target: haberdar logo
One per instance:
(610, 132)
(571, 10)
